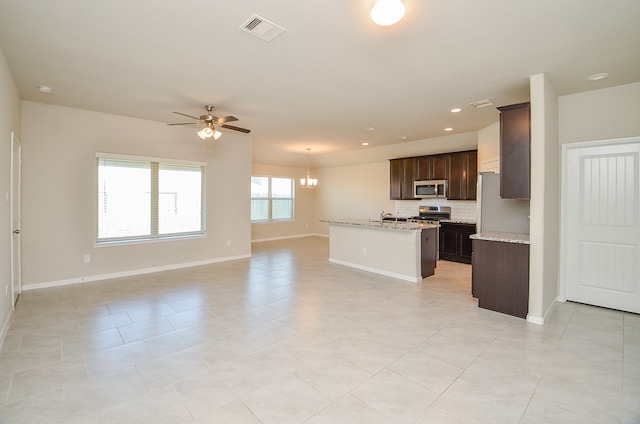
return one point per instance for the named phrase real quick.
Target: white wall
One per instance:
(488, 146)
(59, 194)
(359, 191)
(544, 203)
(305, 221)
(600, 114)
(9, 122)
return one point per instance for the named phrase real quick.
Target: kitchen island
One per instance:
(403, 250)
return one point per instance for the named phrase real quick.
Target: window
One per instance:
(142, 199)
(271, 199)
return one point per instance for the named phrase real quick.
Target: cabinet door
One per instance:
(448, 242)
(408, 168)
(438, 167)
(396, 175)
(465, 243)
(463, 175)
(422, 168)
(515, 151)
(471, 174)
(455, 183)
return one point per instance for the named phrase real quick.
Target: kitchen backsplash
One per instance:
(461, 210)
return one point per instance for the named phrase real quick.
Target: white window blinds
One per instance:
(147, 199)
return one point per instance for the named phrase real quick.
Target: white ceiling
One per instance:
(329, 76)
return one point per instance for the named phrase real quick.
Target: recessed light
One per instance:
(370, 128)
(598, 76)
(448, 129)
(365, 143)
(456, 110)
(403, 137)
(45, 89)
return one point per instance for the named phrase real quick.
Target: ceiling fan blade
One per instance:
(225, 119)
(185, 123)
(188, 116)
(231, 127)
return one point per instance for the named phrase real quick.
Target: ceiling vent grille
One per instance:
(261, 28)
(481, 103)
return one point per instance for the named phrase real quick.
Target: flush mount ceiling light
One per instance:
(45, 89)
(598, 76)
(308, 182)
(387, 12)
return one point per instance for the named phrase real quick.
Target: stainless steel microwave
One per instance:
(428, 189)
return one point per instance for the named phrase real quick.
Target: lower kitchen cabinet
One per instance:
(500, 276)
(428, 248)
(455, 244)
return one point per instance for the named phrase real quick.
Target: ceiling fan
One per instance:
(210, 123)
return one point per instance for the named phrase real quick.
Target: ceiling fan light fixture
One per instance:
(387, 12)
(216, 134)
(205, 133)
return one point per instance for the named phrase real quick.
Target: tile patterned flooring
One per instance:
(287, 337)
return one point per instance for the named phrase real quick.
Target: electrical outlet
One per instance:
(228, 243)
(87, 258)
(364, 250)
(6, 289)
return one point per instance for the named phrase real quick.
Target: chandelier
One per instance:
(308, 182)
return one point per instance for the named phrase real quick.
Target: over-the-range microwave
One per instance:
(428, 189)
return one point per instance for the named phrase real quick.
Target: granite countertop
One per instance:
(458, 221)
(503, 237)
(387, 225)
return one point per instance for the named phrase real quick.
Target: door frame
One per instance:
(15, 207)
(564, 241)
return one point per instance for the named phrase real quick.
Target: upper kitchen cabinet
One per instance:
(462, 175)
(515, 151)
(402, 176)
(432, 167)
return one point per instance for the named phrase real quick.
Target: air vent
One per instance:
(262, 28)
(481, 103)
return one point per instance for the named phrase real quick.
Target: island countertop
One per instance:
(386, 225)
(503, 237)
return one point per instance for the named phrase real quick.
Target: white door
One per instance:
(601, 222)
(16, 267)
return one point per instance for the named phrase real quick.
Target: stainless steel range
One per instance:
(432, 215)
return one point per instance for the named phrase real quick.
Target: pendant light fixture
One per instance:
(387, 12)
(308, 182)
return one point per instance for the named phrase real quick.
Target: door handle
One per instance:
(16, 231)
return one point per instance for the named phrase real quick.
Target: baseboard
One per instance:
(409, 278)
(289, 237)
(541, 320)
(130, 273)
(5, 327)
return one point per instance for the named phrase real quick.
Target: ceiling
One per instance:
(331, 75)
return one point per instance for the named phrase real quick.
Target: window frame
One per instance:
(155, 167)
(270, 200)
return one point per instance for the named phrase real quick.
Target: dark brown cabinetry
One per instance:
(428, 249)
(432, 167)
(460, 169)
(500, 276)
(515, 151)
(462, 175)
(455, 244)
(401, 178)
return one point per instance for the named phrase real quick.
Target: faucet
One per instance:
(384, 215)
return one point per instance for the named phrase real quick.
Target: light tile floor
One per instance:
(287, 337)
